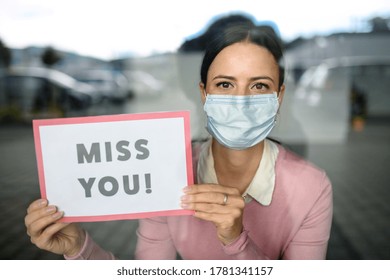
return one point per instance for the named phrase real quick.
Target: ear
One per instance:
(281, 94)
(202, 90)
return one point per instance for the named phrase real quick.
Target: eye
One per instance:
(224, 85)
(260, 87)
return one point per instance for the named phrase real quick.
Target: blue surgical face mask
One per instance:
(240, 121)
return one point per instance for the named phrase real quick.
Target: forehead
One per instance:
(244, 59)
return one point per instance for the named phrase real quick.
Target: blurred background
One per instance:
(82, 58)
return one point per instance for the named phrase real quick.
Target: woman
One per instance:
(253, 198)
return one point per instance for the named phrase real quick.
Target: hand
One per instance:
(47, 233)
(210, 204)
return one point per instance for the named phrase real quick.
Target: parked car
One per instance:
(112, 85)
(329, 96)
(28, 92)
(143, 83)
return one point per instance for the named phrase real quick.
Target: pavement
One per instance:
(358, 169)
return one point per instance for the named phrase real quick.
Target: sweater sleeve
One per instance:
(311, 240)
(243, 248)
(154, 240)
(91, 251)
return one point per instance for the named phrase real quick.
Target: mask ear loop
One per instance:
(277, 116)
(204, 97)
(205, 94)
(278, 95)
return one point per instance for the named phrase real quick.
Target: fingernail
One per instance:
(185, 198)
(51, 209)
(186, 189)
(184, 206)
(42, 202)
(57, 215)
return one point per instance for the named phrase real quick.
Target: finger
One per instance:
(214, 209)
(208, 208)
(52, 230)
(39, 213)
(215, 198)
(224, 217)
(37, 204)
(38, 225)
(201, 188)
(216, 218)
(44, 239)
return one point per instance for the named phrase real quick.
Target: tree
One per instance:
(50, 56)
(379, 24)
(5, 56)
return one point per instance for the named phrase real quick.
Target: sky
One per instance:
(110, 29)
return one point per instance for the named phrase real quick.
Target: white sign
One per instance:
(115, 167)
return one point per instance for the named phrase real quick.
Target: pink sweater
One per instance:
(296, 225)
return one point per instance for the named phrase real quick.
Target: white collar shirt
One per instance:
(262, 185)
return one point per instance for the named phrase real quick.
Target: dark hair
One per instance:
(263, 36)
(199, 43)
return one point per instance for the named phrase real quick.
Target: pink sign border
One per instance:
(115, 118)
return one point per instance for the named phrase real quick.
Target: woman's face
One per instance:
(243, 69)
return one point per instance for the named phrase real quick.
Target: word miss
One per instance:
(122, 150)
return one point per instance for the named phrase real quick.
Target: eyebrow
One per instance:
(262, 78)
(251, 79)
(224, 77)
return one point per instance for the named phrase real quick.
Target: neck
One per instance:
(236, 168)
